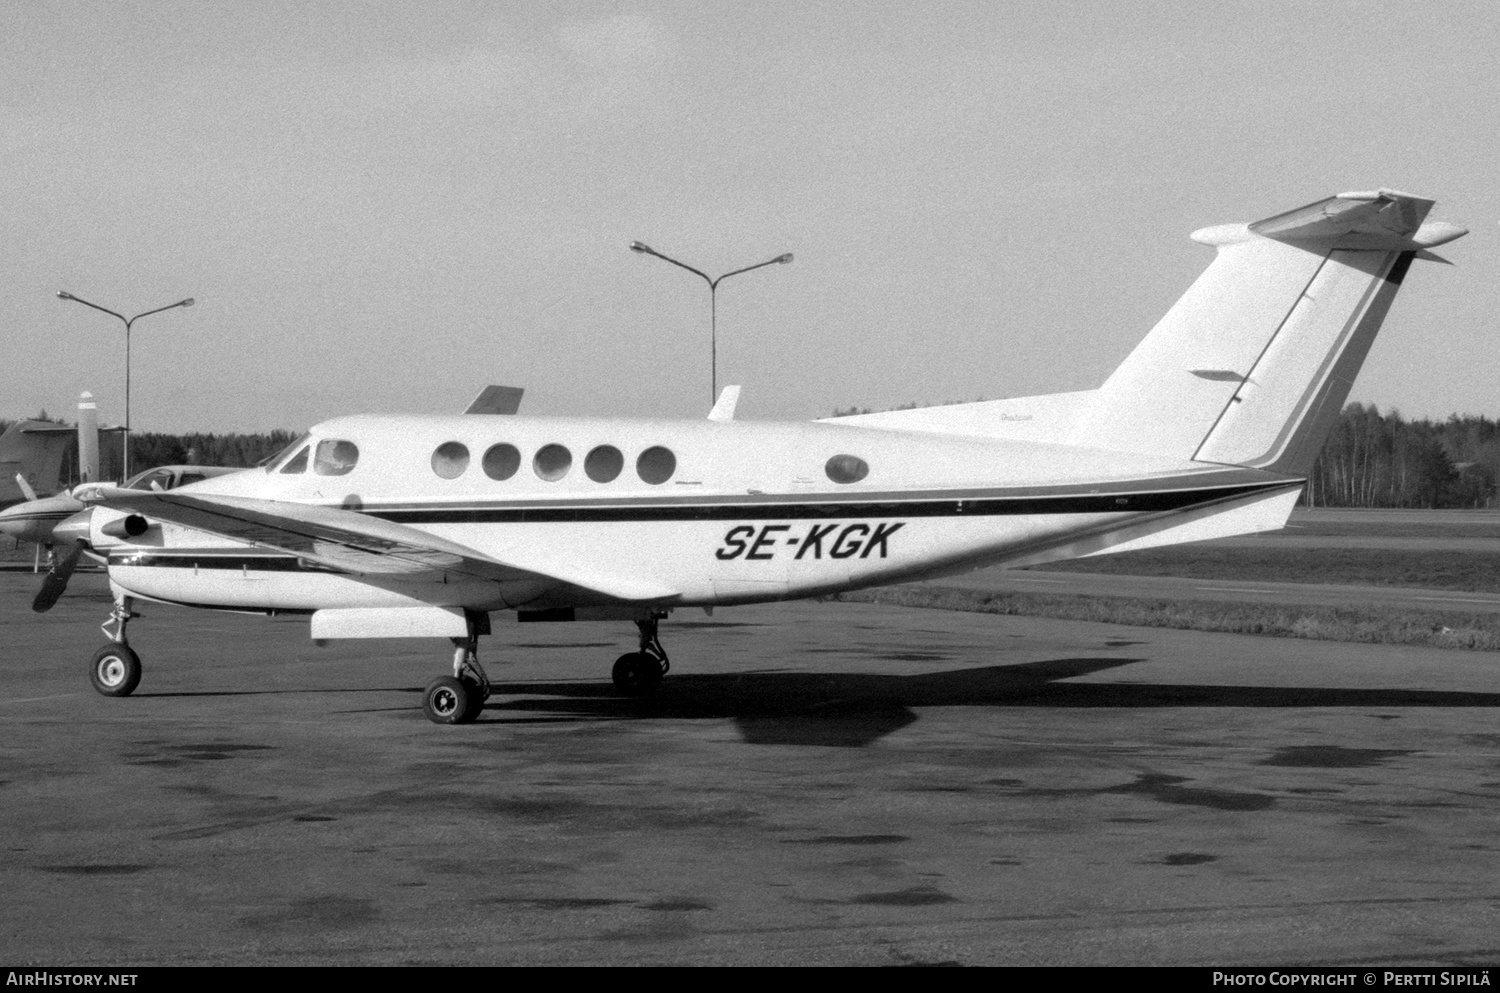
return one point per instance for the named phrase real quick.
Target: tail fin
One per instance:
(35, 450)
(1253, 364)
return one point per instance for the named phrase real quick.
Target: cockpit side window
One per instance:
(274, 461)
(335, 457)
(156, 479)
(297, 463)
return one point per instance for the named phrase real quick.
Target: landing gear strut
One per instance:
(459, 698)
(640, 673)
(115, 670)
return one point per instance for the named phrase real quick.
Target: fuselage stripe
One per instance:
(1102, 503)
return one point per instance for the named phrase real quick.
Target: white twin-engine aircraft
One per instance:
(425, 526)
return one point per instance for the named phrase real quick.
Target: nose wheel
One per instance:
(640, 673)
(115, 670)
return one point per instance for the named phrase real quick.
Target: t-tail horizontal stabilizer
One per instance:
(1253, 364)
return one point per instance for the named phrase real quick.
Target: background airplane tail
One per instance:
(33, 450)
(1253, 364)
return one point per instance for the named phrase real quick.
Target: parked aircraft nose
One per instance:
(11, 516)
(75, 528)
(34, 520)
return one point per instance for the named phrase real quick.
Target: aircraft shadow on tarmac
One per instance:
(853, 709)
(856, 709)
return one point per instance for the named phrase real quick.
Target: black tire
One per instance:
(448, 701)
(476, 702)
(637, 674)
(115, 670)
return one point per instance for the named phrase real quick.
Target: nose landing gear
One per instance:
(115, 670)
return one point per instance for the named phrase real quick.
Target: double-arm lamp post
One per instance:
(64, 295)
(713, 306)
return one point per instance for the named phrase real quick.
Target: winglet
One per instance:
(497, 400)
(724, 408)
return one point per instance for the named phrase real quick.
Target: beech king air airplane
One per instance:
(380, 526)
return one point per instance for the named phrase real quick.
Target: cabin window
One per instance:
(297, 463)
(189, 478)
(501, 461)
(335, 457)
(847, 468)
(604, 463)
(656, 465)
(552, 462)
(450, 460)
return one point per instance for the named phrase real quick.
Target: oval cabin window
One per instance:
(656, 465)
(501, 461)
(847, 468)
(450, 460)
(552, 462)
(603, 464)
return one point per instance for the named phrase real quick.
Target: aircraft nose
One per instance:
(12, 513)
(75, 528)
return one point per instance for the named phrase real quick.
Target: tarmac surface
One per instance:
(815, 784)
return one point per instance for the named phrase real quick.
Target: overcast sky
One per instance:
(385, 206)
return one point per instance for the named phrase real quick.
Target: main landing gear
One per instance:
(640, 673)
(459, 698)
(116, 670)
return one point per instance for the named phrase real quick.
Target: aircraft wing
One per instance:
(353, 542)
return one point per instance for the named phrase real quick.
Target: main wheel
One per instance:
(449, 701)
(637, 674)
(115, 670)
(476, 702)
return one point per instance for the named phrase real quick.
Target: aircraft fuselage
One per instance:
(708, 512)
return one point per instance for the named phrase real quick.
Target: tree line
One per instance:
(147, 450)
(1382, 460)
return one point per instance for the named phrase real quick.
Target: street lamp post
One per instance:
(64, 295)
(713, 305)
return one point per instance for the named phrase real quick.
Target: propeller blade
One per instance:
(55, 583)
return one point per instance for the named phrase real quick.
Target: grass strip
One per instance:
(1477, 572)
(1436, 629)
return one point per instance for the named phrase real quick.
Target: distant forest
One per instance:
(1381, 460)
(1370, 460)
(147, 450)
